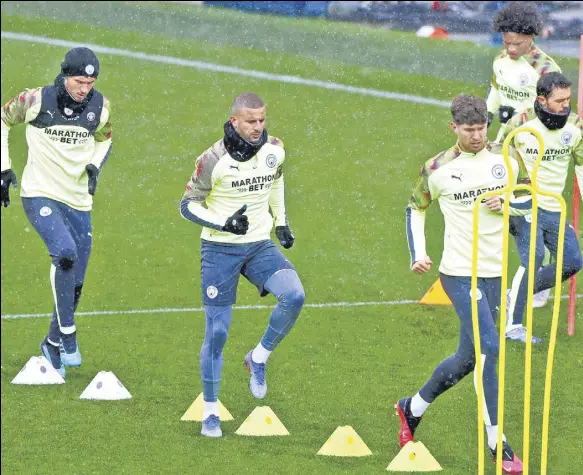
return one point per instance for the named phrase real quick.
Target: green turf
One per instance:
(351, 162)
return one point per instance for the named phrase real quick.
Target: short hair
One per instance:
(549, 82)
(468, 109)
(247, 100)
(518, 17)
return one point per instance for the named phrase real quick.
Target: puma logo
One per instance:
(457, 177)
(235, 167)
(51, 113)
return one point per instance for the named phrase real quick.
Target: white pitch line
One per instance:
(228, 69)
(238, 307)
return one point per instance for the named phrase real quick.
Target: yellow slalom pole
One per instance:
(554, 327)
(507, 191)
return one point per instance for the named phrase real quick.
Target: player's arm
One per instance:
(19, 110)
(198, 188)
(492, 99)
(277, 205)
(516, 121)
(102, 149)
(415, 222)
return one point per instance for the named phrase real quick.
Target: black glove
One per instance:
(238, 223)
(285, 236)
(490, 118)
(92, 173)
(505, 113)
(8, 178)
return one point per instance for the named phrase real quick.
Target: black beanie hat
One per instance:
(80, 62)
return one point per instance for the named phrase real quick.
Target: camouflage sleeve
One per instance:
(198, 188)
(421, 197)
(19, 110)
(523, 177)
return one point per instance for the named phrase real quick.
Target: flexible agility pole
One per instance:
(508, 191)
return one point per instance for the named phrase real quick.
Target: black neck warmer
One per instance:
(65, 101)
(238, 147)
(550, 120)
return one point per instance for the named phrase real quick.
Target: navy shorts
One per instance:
(222, 264)
(67, 232)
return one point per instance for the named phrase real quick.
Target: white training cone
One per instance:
(38, 370)
(105, 386)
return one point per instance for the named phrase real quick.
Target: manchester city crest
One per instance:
(566, 137)
(498, 171)
(91, 116)
(68, 111)
(89, 69)
(523, 79)
(271, 160)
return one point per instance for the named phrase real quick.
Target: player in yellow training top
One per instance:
(68, 133)
(457, 178)
(562, 133)
(517, 68)
(239, 179)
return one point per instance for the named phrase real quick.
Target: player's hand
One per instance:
(422, 266)
(92, 173)
(285, 236)
(238, 223)
(494, 203)
(8, 178)
(505, 113)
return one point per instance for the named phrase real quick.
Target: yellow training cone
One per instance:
(194, 412)
(414, 457)
(262, 422)
(345, 442)
(435, 295)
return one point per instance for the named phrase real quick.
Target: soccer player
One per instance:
(68, 134)
(517, 69)
(239, 179)
(456, 178)
(561, 131)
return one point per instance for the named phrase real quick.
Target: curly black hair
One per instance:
(518, 17)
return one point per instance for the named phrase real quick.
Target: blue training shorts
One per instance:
(221, 265)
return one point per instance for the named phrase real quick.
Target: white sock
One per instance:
(492, 432)
(260, 354)
(210, 408)
(418, 405)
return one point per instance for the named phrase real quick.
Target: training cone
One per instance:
(38, 371)
(194, 412)
(105, 386)
(414, 457)
(345, 442)
(435, 295)
(262, 422)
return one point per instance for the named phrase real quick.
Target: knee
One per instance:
(294, 298)
(219, 334)
(65, 259)
(573, 264)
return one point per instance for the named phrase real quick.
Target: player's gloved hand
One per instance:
(505, 113)
(490, 118)
(238, 223)
(92, 173)
(285, 236)
(8, 178)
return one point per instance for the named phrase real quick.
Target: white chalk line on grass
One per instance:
(201, 65)
(237, 307)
